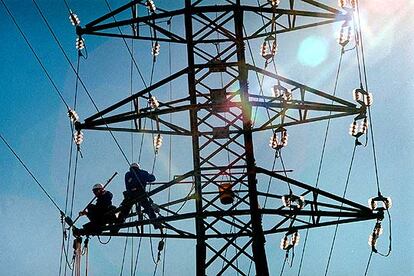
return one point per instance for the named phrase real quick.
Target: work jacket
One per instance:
(136, 180)
(104, 200)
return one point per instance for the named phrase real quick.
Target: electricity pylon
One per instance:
(230, 226)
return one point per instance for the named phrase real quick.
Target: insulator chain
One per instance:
(74, 19)
(343, 3)
(80, 43)
(293, 201)
(281, 92)
(155, 51)
(157, 142)
(151, 6)
(269, 47)
(73, 116)
(160, 248)
(373, 204)
(78, 137)
(386, 203)
(372, 239)
(345, 34)
(277, 142)
(365, 99)
(274, 3)
(357, 129)
(289, 240)
(153, 102)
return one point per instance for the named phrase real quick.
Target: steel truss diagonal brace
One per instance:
(313, 189)
(327, 14)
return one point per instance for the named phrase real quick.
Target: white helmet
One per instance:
(135, 165)
(97, 186)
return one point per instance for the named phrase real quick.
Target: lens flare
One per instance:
(313, 51)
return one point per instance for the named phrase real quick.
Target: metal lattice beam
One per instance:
(220, 124)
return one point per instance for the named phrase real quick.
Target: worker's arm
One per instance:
(150, 177)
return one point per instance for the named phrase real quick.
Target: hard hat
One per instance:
(97, 186)
(135, 165)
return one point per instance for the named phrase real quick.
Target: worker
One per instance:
(136, 180)
(99, 214)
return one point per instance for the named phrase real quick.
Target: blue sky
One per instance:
(34, 121)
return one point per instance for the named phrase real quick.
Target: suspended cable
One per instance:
(322, 154)
(389, 237)
(132, 249)
(64, 252)
(343, 196)
(284, 170)
(99, 239)
(270, 179)
(136, 258)
(75, 71)
(170, 144)
(123, 254)
(284, 264)
(66, 200)
(129, 50)
(36, 56)
(369, 262)
(67, 5)
(73, 196)
(369, 108)
(131, 92)
(74, 183)
(67, 190)
(30, 173)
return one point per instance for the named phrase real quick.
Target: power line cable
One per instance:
(343, 196)
(369, 262)
(369, 107)
(30, 173)
(322, 154)
(36, 56)
(67, 5)
(75, 71)
(123, 255)
(129, 50)
(136, 258)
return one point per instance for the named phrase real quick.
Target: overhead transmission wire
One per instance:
(343, 196)
(369, 107)
(322, 153)
(359, 42)
(55, 88)
(132, 149)
(170, 143)
(124, 254)
(48, 75)
(373, 142)
(152, 72)
(126, 45)
(30, 172)
(132, 159)
(41, 187)
(54, 85)
(76, 73)
(45, 70)
(36, 56)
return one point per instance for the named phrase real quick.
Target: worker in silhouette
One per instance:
(136, 179)
(99, 214)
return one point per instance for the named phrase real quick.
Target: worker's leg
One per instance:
(125, 207)
(93, 213)
(146, 204)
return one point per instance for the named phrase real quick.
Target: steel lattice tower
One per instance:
(219, 106)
